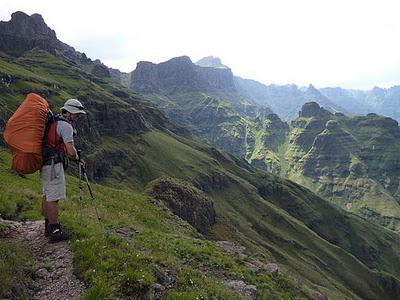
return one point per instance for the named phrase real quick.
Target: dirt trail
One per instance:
(54, 277)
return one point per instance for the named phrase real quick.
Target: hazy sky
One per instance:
(353, 44)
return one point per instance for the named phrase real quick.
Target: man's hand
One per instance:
(71, 151)
(82, 163)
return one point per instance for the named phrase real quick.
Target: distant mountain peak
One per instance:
(25, 26)
(211, 61)
(180, 59)
(19, 16)
(24, 32)
(312, 88)
(180, 74)
(312, 109)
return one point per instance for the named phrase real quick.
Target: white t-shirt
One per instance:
(65, 131)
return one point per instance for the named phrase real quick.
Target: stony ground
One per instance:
(54, 276)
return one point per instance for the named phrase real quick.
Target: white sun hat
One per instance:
(74, 106)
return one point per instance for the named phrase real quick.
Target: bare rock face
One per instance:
(100, 70)
(273, 268)
(233, 249)
(180, 74)
(145, 78)
(23, 33)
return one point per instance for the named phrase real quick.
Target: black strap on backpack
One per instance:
(51, 155)
(51, 118)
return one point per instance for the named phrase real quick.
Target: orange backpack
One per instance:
(24, 134)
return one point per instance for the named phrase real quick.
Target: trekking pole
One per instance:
(83, 170)
(80, 189)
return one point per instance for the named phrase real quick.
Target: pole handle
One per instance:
(81, 166)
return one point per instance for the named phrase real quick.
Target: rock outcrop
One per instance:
(100, 70)
(311, 122)
(178, 75)
(312, 109)
(23, 33)
(186, 201)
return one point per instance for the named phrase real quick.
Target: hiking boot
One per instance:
(58, 233)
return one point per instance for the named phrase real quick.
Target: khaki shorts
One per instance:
(53, 181)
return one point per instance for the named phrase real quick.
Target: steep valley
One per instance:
(326, 151)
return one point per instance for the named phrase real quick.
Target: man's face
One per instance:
(75, 117)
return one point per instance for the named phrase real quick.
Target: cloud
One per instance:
(287, 41)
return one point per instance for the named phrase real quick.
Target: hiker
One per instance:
(58, 148)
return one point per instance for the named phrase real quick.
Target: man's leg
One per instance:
(52, 212)
(54, 188)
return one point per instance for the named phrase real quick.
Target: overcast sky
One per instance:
(352, 44)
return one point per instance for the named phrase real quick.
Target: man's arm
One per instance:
(71, 151)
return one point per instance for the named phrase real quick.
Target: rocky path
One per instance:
(54, 277)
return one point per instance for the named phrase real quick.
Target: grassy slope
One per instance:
(241, 136)
(274, 219)
(115, 265)
(273, 233)
(355, 192)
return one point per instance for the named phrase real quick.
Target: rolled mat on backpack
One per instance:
(24, 134)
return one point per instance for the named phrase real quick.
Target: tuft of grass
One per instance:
(15, 270)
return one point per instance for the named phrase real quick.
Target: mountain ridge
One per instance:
(180, 74)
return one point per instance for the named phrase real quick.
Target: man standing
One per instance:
(58, 148)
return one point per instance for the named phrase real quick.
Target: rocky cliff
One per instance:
(25, 32)
(180, 75)
(204, 99)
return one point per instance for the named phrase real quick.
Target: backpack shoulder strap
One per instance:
(61, 118)
(51, 118)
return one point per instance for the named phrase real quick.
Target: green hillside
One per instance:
(350, 161)
(156, 175)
